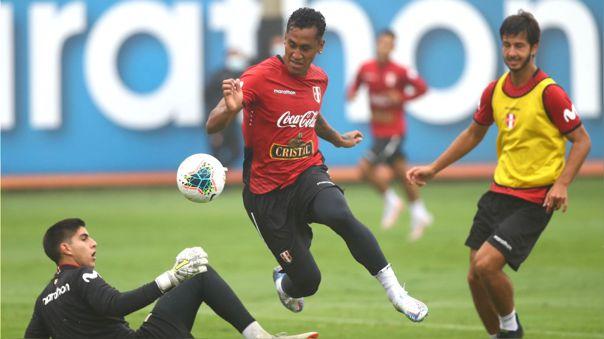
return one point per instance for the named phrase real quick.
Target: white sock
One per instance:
(418, 208)
(508, 322)
(390, 196)
(388, 279)
(255, 331)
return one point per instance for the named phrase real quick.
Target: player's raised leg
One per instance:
(298, 275)
(330, 208)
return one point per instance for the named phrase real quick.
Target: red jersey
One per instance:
(384, 82)
(559, 109)
(279, 115)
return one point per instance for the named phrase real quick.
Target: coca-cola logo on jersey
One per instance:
(306, 120)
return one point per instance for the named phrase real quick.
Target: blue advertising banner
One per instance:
(118, 86)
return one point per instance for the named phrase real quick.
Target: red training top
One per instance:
(388, 86)
(279, 115)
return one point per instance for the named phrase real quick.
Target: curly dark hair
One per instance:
(306, 17)
(521, 22)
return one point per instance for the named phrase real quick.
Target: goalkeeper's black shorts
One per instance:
(510, 224)
(281, 216)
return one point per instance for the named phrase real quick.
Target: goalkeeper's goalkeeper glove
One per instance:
(189, 262)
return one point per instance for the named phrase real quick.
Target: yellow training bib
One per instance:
(530, 148)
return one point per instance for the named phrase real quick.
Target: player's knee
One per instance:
(472, 277)
(483, 267)
(310, 284)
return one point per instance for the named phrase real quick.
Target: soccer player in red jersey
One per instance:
(535, 118)
(390, 87)
(287, 186)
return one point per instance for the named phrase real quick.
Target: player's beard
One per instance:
(522, 67)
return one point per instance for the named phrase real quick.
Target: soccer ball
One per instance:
(201, 177)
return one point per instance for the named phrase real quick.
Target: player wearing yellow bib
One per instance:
(534, 117)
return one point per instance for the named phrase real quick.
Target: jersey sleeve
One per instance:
(484, 113)
(250, 82)
(358, 81)
(560, 109)
(417, 83)
(106, 300)
(36, 327)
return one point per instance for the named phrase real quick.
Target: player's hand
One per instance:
(350, 139)
(556, 198)
(189, 262)
(419, 175)
(233, 94)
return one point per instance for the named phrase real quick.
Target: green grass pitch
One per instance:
(559, 290)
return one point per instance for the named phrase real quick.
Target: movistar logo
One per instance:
(570, 114)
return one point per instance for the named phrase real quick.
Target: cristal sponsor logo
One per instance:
(503, 242)
(306, 120)
(88, 276)
(284, 91)
(287, 152)
(570, 114)
(56, 294)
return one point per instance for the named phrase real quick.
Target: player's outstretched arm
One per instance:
(227, 107)
(464, 143)
(326, 132)
(557, 196)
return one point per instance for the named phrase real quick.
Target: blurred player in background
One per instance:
(226, 145)
(286, 181)
(535, 118)
(390, 87)
(78, 303)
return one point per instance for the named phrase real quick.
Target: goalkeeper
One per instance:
(78, 303)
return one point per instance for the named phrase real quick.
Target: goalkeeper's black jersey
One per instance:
(78, 303)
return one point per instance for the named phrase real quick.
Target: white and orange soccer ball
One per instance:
(201, 177)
